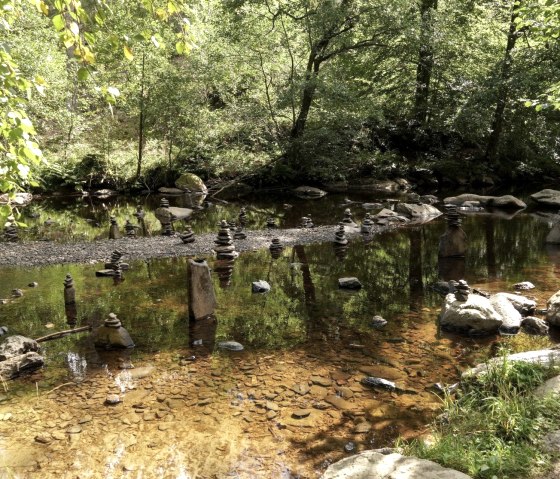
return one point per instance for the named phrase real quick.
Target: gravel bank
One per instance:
(38, 253)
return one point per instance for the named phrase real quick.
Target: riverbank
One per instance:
(39, 253)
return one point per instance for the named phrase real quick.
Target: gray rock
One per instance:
(349, 283)
(511, 318)
(505, 202)
(374, 465)
(521, 303)
(524, 286)
(546, 357)
(230, 345)
(17, 345)
(417, 211)
(377, 322)
(104, 193)
(309, 192)
(534, 325)
(476, 315)
(547, 197)
(551, 386)
(378, 383)
(371, 206)
(260, 286)
(191, 183)
(15, 365)
(553, 307)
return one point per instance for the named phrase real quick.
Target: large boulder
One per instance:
(524, 305)
(474, 316)
(550, 198)
(309, 192)
(15, 365)
(20, 199)
(17, 345)
(545, 357)
(511, 318)
(505, 202)
(553, 309)
(417, 211)
(191, 183)
(375, 465)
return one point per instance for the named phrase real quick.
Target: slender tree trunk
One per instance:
(141, 122)
(503, 90)
(311, 74)
(425, 60)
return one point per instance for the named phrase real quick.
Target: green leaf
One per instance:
(83, 74)
(58, 22)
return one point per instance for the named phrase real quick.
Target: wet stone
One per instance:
(321, 381)
(362, 428)
(301, 389)
(74, 430)
(112, 399)
(43, 439)
(271, 414)
(301, 413)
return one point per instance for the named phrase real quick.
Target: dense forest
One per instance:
(128, 95)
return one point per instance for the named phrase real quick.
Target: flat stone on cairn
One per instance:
(114, 267)
(462, 291)
(340, 236)
(347, 220)
(187, 236)
(276, 248)
(239, 233)
(11, 232)
(271, 223)
(242, 216)
(224, 245)
(367, 224)
(130, 229)
(112, 334)
(114, 232)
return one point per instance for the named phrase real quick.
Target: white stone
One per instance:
(475, 315)
(374, 465)
(553, 306)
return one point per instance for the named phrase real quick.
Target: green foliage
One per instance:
(493, 426)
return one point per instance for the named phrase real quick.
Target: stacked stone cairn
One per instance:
(347, 220)
(307, 222)
(239, 233)
(166, 228)
(224, 245)
(242, 216)
(11, 233)
(453, 243)
(130, 229)
(114, 232)
(224, 269)
(69, 290)
(276, 248)
(271, 223)
(367, 224)
(340, 236)
(462, 291)
(114, 266)
(112, 334)
(232, 225)
(140, 212)
(187, 236)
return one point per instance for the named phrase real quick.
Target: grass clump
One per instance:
(492, 427)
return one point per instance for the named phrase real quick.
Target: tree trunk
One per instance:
(425, 60)
(503, 90)
(141, 122)
(311, 74)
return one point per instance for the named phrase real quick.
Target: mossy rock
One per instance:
(191, 183)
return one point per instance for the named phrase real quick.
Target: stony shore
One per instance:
(38, 253)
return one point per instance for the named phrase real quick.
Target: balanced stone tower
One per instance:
(340, 236)
(187, 236)
(114, 232)
(242, 216)
(271, 223)
(11, 232)
(453, 243)
(462, 291)
(367, 224)
(224, 245)
(239, 233)
(347, 220)
(130, 229)
(112, 334)
(69, 290)
(276, 248)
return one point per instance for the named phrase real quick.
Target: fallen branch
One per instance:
(61, 334)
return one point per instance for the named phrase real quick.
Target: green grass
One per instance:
(492, 428)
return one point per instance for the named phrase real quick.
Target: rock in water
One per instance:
(476, 315)
(349, 283)
(16, 345)
(260, 286)
(378, 383)
(524, 286)
(375, 465)
(231, 345)
(534, 325)
(511, 318)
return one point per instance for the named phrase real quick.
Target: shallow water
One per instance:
(307, 346)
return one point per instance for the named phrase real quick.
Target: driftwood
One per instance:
(61, 334)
